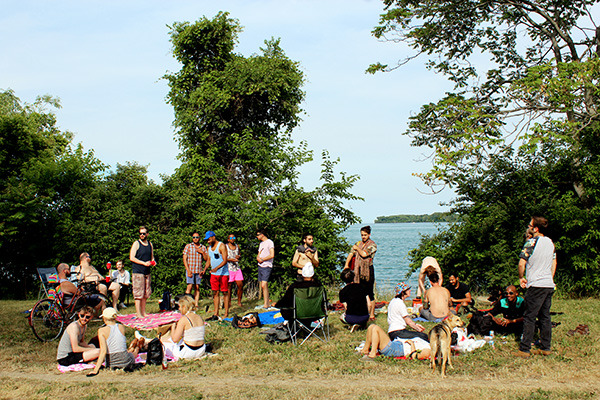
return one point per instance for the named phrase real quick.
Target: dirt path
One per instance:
(424, 387)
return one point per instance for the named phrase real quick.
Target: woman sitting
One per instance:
(356, 302)
(398, 317)
(113, 344)
(185, 339)
(378, 340)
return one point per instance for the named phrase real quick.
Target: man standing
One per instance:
(361, 256)
(305, 253)
(459, 292)
(142, 257)
(219, 279)
(538, 260)
(265, 256)
(193, 255)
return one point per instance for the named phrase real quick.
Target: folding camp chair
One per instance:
(44, 273)
(310, 314)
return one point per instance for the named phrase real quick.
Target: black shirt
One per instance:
(458, 293)
(355, 297)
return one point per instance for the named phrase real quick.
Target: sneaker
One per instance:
(122, 305)
(214, 318)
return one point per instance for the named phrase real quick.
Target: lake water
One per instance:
(394, 241)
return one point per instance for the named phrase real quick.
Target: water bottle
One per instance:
(492, 339)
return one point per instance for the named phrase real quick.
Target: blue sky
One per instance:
(105, 59)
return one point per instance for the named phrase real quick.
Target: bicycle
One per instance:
(49, 317)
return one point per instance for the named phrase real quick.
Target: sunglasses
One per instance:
(195, 237)
(141, 233)
(232, 238)
(509, 293)
(86, 317)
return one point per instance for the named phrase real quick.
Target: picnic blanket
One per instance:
(150, 321)
(266, 318)
(84, 366)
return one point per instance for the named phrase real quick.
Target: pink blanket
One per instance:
(83, 366)
(150, 321)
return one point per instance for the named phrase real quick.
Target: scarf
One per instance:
(362, 270)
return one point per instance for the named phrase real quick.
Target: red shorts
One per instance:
(219, 282)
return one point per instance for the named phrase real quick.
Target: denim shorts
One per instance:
(395, 348)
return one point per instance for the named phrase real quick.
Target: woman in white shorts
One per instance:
(185, 339)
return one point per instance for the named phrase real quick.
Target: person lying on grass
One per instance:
(185, 339)
(378, 340)
(113, 344)
(72, 349)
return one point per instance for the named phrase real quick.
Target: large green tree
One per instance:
(43, 178)
(526, 77)
(234, 117)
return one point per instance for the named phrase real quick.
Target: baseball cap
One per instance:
(209, 234)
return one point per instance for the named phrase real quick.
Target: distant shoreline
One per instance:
(403, 218)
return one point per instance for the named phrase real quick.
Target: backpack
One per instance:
(165, 303)
(480, 324)
(235, 322)
(155, 352)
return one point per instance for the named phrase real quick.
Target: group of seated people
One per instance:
(183, 339)
(118, 285)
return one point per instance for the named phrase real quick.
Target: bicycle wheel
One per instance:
(46, 320)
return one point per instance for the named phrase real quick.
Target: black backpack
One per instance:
(480, 324)
(155, 352)
(165, 303)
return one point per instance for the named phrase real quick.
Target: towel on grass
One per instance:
(150, 321)
(84, 366)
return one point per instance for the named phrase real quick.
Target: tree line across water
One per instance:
(407, 218)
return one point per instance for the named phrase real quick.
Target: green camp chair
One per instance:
(310, 314)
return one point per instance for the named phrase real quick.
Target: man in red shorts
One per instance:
(219, 279)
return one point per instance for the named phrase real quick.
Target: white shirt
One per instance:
(123, 279)
(396, 313)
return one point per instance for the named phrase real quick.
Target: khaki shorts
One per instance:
(141, 286)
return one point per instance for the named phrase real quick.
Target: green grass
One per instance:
(250, 367)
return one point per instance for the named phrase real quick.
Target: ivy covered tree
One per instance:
(535, 99)
(234, 117)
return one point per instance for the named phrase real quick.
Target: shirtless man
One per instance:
(437, 301)
(305, 253)
(69, 289)
(88, 273)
